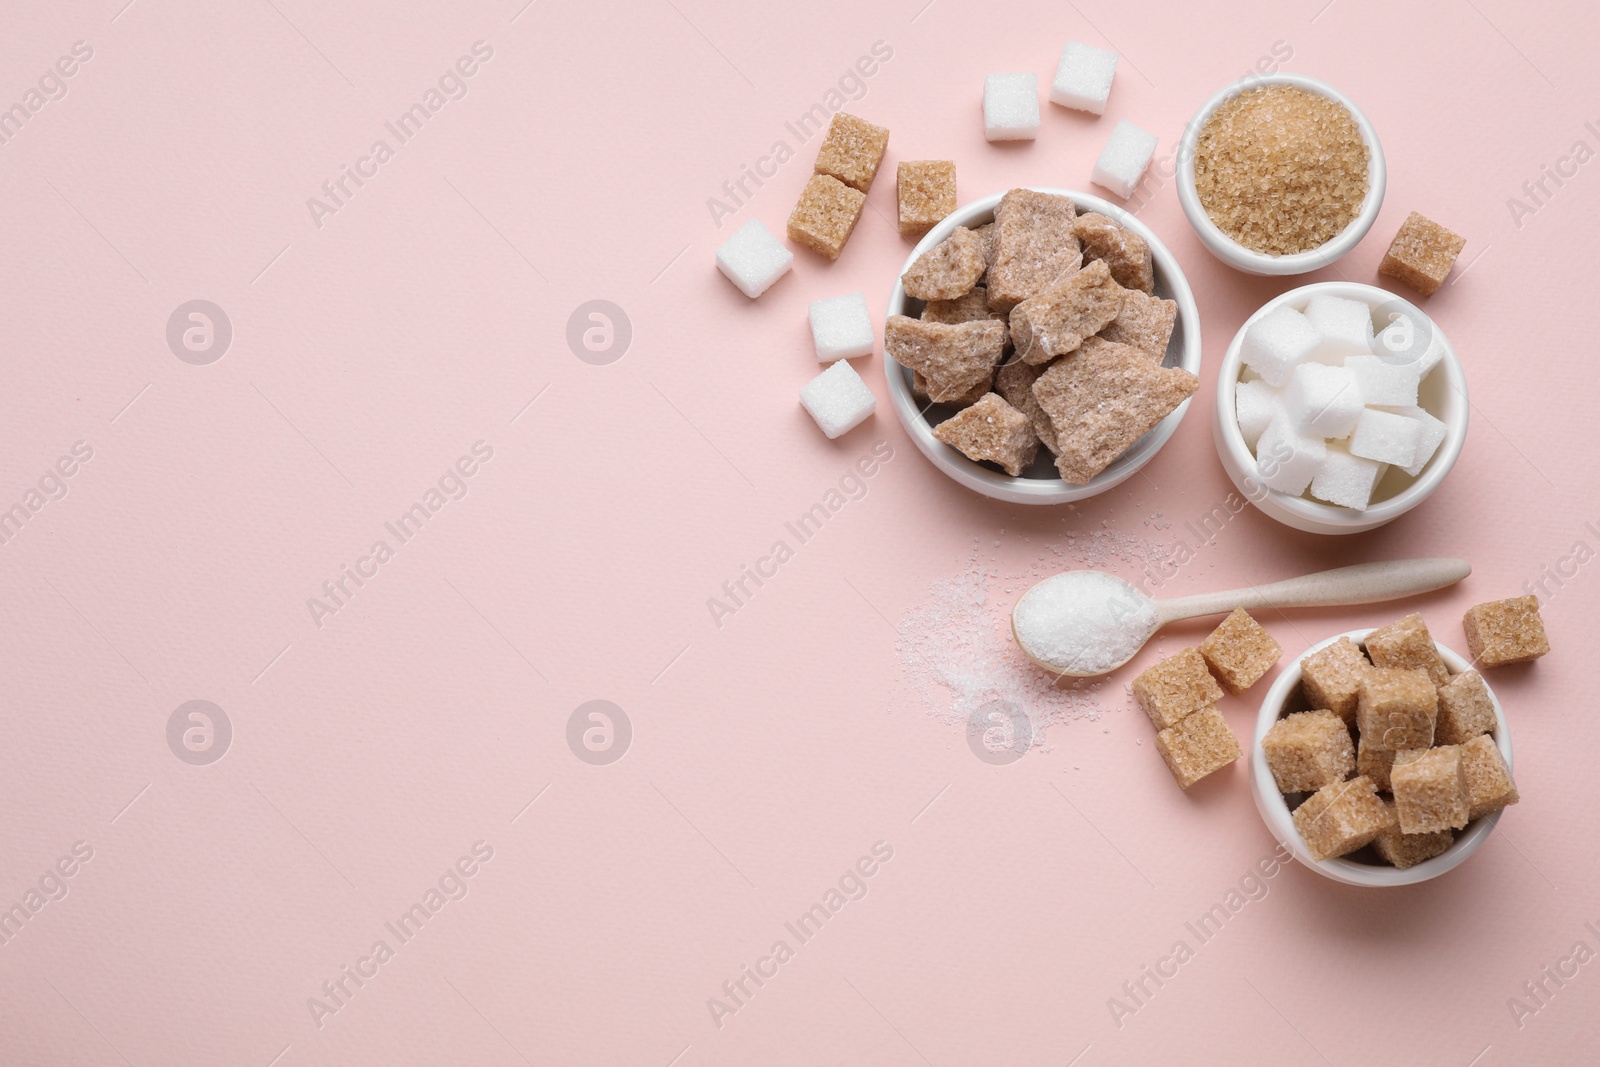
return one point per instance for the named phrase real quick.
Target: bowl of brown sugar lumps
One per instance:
(1280, 174)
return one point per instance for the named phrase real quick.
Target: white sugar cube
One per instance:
(1345, 326)
(1124, 158)
(1256, 404)
(841, 327)
(1323, 400)
(1384, 383)
(838, 399)
(1278, 341)
(1428, 443)
(1287, 459)
(1386, 437)
(1083, 78)
(753, 259)
(1345, 479)
(1011, 107)
(1401, 342)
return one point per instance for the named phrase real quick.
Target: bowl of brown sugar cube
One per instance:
(1041, 346)
(1382, 758)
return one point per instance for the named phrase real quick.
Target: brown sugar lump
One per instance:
(1308, 750)
(1404, 850)
(986, 231)
(1489, 783)
(1396, 709)
(1035, 242)
(852, 151)
(1102, 400)
(1014, 381)
(1332, 677)
(953, 358)
(1342, 817)
(1058, 318)
(1430, 791)
(1197, 745)
(919, 390)
(948, 270)
(927, 193)
(1145, 322)
(992, 430)
(1281, 170)
(1422, 254)
(1466, 710)
(971, 306)
(1124, 251)
(1375, 764)
(1407, 644)
(1505, 631)
(826, 214)
(1239, 651)
(1176, 688)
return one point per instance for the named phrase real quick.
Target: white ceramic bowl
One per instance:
(1040, 484)
(1230, 251)
(1284, 698)
(1443, 395)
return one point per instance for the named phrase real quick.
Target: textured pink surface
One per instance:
(372, 753)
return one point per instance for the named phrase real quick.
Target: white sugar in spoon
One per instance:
(1088, 623)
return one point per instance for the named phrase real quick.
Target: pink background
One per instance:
(371, 753)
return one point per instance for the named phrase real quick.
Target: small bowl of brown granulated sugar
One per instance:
(1280, 174)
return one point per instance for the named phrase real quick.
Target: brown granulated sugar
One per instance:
(1281, 170)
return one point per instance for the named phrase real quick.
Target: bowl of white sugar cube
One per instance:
(1340, 407)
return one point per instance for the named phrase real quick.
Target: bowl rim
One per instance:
(1455, 416)
(1274, 809)
(1022, 490)
(1236, 255)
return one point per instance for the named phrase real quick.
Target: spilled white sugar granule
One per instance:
(958, 656)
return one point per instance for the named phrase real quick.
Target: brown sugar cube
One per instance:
(1505, 631)
(1198, 745)
(1407, 644)
(1489, 783)
(1176, 688)
(1430, 791)
(1407, 850)
(948, 270)
(953, 358)
(1239, 651)
(1332, 677)
(1375, 764)
(1014, 381)
(1035, 242)
(1124, 251)
(1102, 400)
(1421, 254)
(992, 430)
(1342, 817)
(1396, 709)
(1057, 319)
(852, 151)
(927, 193)
(919, 390)
(1308, 750)
(828, 210)
(1145, 322)
(1465, 710)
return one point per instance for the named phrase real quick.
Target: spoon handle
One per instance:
(1364, 583)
